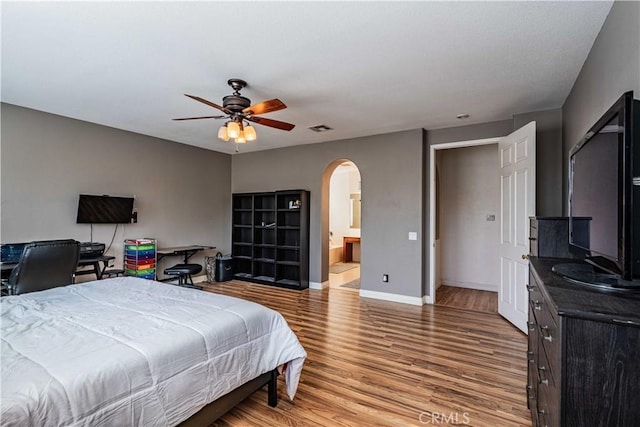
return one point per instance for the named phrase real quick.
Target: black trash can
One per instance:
(224, 268)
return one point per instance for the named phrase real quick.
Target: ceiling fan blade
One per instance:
(209, 103)
(203, 117)
(265, 107)
(271, 123)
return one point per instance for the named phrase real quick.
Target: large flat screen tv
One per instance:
(604, 192)
(104, 209)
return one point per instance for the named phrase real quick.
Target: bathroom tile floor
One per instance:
(337, 280)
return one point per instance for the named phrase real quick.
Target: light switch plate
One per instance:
(413, 235)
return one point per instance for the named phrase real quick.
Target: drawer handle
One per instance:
(546, 336)
(531, 325)
(541, 380)
(536, 305)
(531, 288)
(532, 238)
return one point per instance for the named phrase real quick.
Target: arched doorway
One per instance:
(343, 180)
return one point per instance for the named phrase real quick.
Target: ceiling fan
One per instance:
(239, 112)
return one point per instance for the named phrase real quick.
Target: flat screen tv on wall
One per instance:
(604, 189)
(104, 209)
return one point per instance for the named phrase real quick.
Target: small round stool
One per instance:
(184, 272)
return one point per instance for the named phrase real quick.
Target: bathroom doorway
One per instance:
(344, 227)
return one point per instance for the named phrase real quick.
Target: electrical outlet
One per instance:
(385, 278)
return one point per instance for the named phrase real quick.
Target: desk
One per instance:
(7, 267)
(347, 248)
(95, 263)
(184, 251)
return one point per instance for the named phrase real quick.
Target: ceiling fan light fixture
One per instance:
(222, 133)
(239, 112)
(233, 130)
(250, 133)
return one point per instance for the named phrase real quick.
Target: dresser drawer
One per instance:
(532, 363)
(549, 333)
(532, 336)
(548, 409)
(548, 413)
(539, 307)
(535, 297)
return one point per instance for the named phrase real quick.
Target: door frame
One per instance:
(431, 298)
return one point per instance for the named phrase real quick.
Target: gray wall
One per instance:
(182, 192)
(612, 68)
(392, 186)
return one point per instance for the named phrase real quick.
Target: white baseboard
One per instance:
(471, 285)
(391, 297)
(319, 286)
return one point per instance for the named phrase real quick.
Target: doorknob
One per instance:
(525, 256)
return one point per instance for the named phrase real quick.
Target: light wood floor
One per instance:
(377, 363)
(470, 299)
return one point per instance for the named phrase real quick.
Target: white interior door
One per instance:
(517, 200)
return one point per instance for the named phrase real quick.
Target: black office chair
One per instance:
(44, 265)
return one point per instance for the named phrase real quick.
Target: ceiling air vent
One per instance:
(320, 128)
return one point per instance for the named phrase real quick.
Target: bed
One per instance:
(129, 351)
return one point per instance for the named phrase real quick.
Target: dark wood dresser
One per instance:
(583, 352)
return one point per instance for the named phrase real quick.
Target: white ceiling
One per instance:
(362, 68)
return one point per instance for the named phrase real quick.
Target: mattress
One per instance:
(129, 351)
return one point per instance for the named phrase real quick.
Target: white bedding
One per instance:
(129, 351)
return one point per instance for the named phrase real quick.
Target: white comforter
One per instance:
(128, 351)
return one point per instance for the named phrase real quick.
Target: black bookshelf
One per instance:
(270, 238)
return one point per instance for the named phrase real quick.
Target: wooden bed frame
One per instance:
(220, 406)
